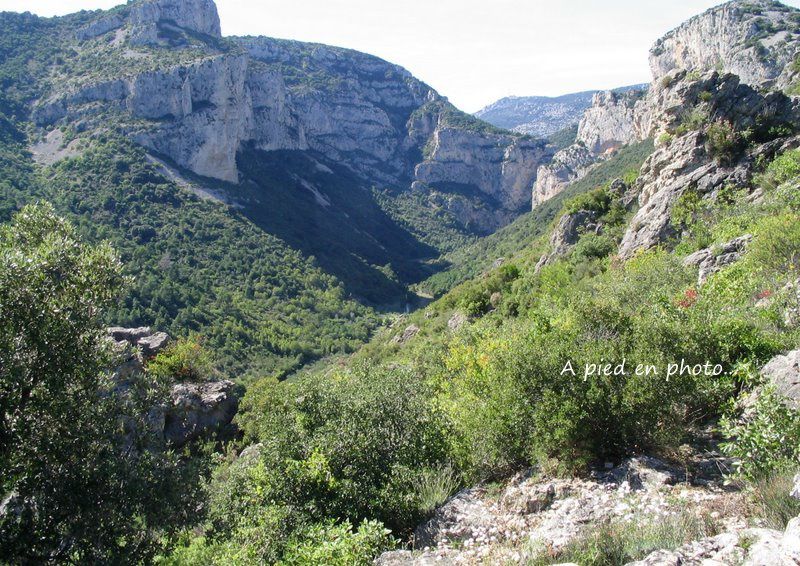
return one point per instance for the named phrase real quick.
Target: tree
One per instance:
(72, 490)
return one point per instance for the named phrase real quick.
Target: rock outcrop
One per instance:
(754, 39)
(610, 122)
(783, 374)
(567, 233)
(147, 19)
(685, 160)
(192, 409)
(567, 166)
(533, 515)
(710, 260)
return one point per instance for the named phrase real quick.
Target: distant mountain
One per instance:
(540, 115)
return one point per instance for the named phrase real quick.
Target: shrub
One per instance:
(766, 442)
(185, 360)
(723, 142)
(599, 200)
(783, 168)
(772, 501)
(435, 486)
(338, 545)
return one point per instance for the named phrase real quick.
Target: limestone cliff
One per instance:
(221, 95)
(755, 39)
(687, 115)
(612, 121)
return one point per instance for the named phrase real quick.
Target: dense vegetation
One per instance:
(78, 486)
(471, 260)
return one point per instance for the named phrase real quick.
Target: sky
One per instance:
(472, 51)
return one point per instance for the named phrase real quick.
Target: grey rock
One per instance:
(646, 472)
(567, 166)
(713, 259)
(796, 487)
(369, 115)
(197, 408)
(99, 27)
(457, 321)
(610, 122)
(783, 374)
(407, 334)
(567, 233)
(198, 16)
(132, 335)
(153, 344)
(752, 39)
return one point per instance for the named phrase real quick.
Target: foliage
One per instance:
(772, 500)
(201, 267)
(338, 545)
(77, 482)
(723, 142)
(185, 360)
(765, 442)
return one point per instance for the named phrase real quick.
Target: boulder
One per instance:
(197, 408)
(783, 374)
(567, 233)
(646, 472)
(713, 259)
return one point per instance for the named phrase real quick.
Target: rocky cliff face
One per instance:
(686, 159)
(352, 108)
(613, 120)
(610, 122)
(541, 116)
(756, 40)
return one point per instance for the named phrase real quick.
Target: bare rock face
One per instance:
(198, 16)
(267, 94)
(471, 158)
(755, 40)
(197, 408)
(192, 408)
(710, 260)
(567, 166)
(610, 122)
(686, 161)
(567, 233)
(783, 373)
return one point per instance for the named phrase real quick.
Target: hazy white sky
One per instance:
(472, 51)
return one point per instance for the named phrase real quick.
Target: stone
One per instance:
(713, 259)
(796, 487)
(146, 18)
(567, 166)
(407, 334)
(609, 123)
(752, 39)
(131, 335)
(783, 374)
(198, 408)
(457, 321)
(646, 472)
(567, 233)
(153, 344)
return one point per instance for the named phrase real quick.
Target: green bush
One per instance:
(338, 545)
(723, 142)
(185, 360)
(765, 442)
(772, 500)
